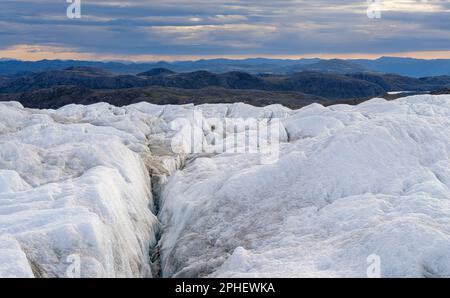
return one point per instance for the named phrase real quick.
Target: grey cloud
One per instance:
(218, 27)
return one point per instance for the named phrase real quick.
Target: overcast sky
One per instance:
(182, 29)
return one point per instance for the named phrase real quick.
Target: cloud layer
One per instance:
(164, 28)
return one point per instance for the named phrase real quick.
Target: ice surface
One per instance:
(350, 182)
(71, 188)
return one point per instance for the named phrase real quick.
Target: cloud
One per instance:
(162, 28)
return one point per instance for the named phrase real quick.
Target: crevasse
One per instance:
(350, 182)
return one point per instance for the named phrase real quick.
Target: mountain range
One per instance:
(401, 66)
(81, 84)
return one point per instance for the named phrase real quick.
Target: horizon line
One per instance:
(225, 57)
(35, 53)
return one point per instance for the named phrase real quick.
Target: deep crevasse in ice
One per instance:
(75, 183)
(352, 181)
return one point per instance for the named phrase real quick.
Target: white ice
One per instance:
(350, 182)
(353, 182)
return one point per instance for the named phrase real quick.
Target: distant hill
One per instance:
(407, 66)
(200, 79)
(402, 66)
(331, 66)
(442, 91)
(254, 66)
(329, 85)
(77, 76)
(11, 67)
(394, 82)
(89, 71)
(4, 81)
(83, 84)
(438, 80)
(59, 96)
(93, 78)
(156, 72)
(325, 84)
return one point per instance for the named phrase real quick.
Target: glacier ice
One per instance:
(102, 183)
(353, 181)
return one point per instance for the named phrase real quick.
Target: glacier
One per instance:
(103, 184)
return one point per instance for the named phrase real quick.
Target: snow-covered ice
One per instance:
(70, 187)
(350, 182)
(353, 182)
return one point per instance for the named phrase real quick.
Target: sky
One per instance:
(149, 30)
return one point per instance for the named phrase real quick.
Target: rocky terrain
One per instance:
(86, 85)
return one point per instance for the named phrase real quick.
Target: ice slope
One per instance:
(354, 181)
(72, 192)
(350, 182)
(76, 188)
